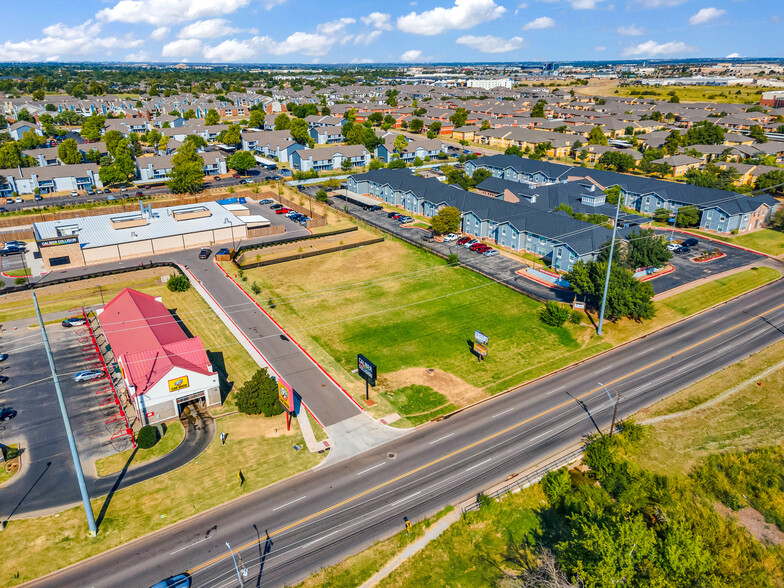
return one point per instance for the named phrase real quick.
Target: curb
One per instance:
(712, 240)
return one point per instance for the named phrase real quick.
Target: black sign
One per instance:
(367, 369)
(58, 241)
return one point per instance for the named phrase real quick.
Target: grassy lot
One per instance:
(419, 404)
(356, 569)
(751, 417)
(765, 240)
(19, 272)
(403, 307)
(5, 475)
(38, 546)
(733, 95)
(175, 433)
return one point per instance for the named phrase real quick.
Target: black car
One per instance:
(391, 214)
(205, 253)
(374, 208)
(3, 379)
(682, 250)
(11, 251)
(276, 206)
(690, 242)
(7, 414)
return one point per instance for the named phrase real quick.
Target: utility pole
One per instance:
(239, 577)
(609, 263)
(615, 406)
(88, 509)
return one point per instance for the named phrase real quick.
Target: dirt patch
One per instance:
(459, 392)
(753, 521)
(250, 427)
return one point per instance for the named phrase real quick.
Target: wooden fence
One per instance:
(307, 254)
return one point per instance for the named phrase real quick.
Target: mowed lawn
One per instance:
(402, 307)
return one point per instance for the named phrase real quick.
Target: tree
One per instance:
(554, 314)
(93, 156)
(617, 160)
(626, 296)
(376, 118)
(417, 162)
(11, 156)
(322, 196)
(712, 176)
(376, 164)
(196, 140)
(646, 249)
(147, 437)
(233, 135)
(758, 134)
(92, 127)
(480, 175)
(513, 150)
(213, 117)
(674, 99)
(24, 115)
(400, 144)
(672, 143)
(446, 220)
(282, 122)
(597, 136)
(687, 216)
(187, 172)
(459, 118)
(769, 182)
(703, 133)
(416, 125)
(68, 152)
(538, 109)
(661, 215)
(112, 139)
(39, 95)
(435, 127)
(242, 161)
(110, 174)
(300, 132)
(178, 283)
(396, 164)
(259, 395)
(189, 114)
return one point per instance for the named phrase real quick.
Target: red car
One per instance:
(463, 240)
(476, 246)
(483, 248)
(235, 175)
(282, 210)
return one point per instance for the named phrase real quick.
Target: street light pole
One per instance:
(609, 263)
(239, 577)
(615, 406)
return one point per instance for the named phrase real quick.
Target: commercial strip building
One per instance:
(164, 370)
(720, 210)
(78, 242)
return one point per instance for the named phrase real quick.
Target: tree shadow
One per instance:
(114, 489)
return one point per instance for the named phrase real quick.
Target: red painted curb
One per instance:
(709, 259)
(526, 275)
(712, 240)
(669, 270)
(290, 339)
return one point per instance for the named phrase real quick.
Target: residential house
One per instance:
(326, 135)
(330, 158)
(419, 147)
(52, 178)
(276, 145)
(680, 164)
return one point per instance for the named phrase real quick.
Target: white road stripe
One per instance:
(556, 390)
(500, 413)
(289, 503)
(477, 465)
(441, 438)
(188, 546)
(378, 465)
(320, 539)
(406, 498)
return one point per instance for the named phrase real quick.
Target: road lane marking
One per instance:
(477, 465)
(441, 438)
(501, 413)
(378, 465)
(406, 498)
(319, 539)
(188, 546)
(289, 503)
(482, 441)
(556, 390)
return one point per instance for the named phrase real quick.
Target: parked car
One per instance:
(3, 379)
(477, 246)
(3, 209)
(38, 197)
(74, 321)
(375, 207)
(3, 356)
(123, 189)
(405, 220)
(11, 251)
(282, 211)
(451, 237)
(74, 193)
(266, 201)
(15, 243)
(491, 252)
(427, 238)
(468, 244)
(98, 191)
(110, 198)
(7, 414)
(672, 246)
(88, 375)
(691, 242)
(483, 248)
(682, 250)
(18, 200)
(178, 581)
(463, 240)
(235, 175)
(276, 206)
(90, 192)
(107, 191)
(139, 194)
(9, 200)
(392, 214)
(146, 186)
(205, 253)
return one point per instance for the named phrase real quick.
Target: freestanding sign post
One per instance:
(286, 397)
(367, 371)
(480, 344)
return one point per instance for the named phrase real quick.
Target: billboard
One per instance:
(480, 349)
(481, 338)
(367, 369)
(178, 384)
(285, 395)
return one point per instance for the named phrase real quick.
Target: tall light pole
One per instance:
(239, 576)
(88, 509)
(609, 263)
(615, 406)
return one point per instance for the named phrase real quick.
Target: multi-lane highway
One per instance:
(288, 530)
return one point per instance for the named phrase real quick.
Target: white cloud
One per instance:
(733, 55)
(361, 60)
(657, 3)
(463, 15)
(61, 41)
(584, 4)
(208, 29)
(138, 56)
(706, 15)
(305, 43)
(652, 48)
(631, 31)
(335, 27)
(367, 38)
(491, 44)
(234, 49)
(600, 48)
(160, 33)
(181, 48)
(377, 20)
(543, 22)
(270, 4)
(157, 12)
(411, 55)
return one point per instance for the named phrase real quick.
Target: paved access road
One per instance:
(292, 528)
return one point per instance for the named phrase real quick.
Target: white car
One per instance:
(74, 193)
(673, 246)
(18, 200)
(471, 242)
(450, 237)
(88, 375)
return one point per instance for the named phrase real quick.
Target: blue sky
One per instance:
(353, 31)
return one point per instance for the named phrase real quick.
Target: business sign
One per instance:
(178, 384)
(481, 338)
(480, 349)
(578, 304)
(285, 395)
(367, 369)
(60, 241)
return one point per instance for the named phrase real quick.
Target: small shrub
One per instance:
(20, 281)
(10, 453)
(147, 437)
(255, 288)
(452, 259)
(575, 317)
(554, 314)
(259, 395)
(178, 283)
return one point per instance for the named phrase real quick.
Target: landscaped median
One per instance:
(173, 436)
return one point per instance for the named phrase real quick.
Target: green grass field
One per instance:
(419, 404)
(765, 240)
(175, 433)
(727, 95)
